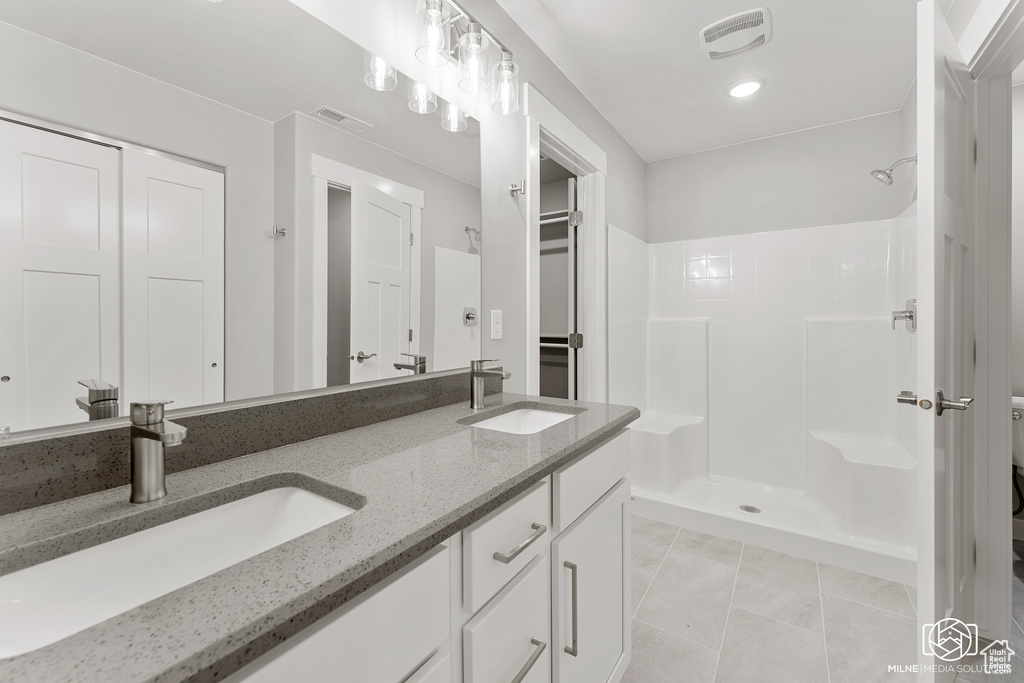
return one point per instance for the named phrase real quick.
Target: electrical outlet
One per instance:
(495, 324)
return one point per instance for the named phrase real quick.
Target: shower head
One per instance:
(882, 176)
(473, 232)
(886, 175)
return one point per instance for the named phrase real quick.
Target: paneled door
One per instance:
(945, 333)
(173, 281)
(381, 276)
(60, 274)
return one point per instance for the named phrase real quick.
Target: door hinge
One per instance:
(410, 334)
(575, 218)
(576, 340)
(411, 237)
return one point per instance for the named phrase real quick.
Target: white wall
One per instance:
(812, 177)
(449, 206)
(46, 80)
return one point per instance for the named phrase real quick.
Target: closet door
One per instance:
(173, 281)
(59, 276)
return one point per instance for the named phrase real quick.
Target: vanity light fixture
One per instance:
(438, 21)
(421, 100)
(746, 87)
(454, 118)
(379, 75)
(434, 32)
(505, 85)
(473, 60)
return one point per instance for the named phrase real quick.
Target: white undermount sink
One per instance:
(41, 604)
(523, 421)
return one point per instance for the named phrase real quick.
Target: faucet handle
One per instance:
(148, 412)
(416, 357)
(99, 390)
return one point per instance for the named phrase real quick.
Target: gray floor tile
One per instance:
(757, 648)
(690, 598)
(660, 657)
(870, 590)
(863, 641)
(779, 586)
(640, 584)
(709, 547)
(650, 541)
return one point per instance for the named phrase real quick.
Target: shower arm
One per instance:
(902, 161)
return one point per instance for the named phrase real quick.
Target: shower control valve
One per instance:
(909, 316)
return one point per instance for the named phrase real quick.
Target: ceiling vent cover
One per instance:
(336, 118)
(736, 34)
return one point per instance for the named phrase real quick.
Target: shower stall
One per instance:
(766, 367)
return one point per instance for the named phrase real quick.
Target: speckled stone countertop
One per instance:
(416, 481)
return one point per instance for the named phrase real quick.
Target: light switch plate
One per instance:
(495, 324)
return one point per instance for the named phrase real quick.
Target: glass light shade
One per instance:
(434, 32)
(421, 100)
(473, 62)
(378, 74)
(505, 85)
(454, 119)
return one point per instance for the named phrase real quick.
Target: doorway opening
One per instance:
(559, 266)
(339, 284)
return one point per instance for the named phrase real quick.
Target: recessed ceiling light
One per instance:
(746, 87)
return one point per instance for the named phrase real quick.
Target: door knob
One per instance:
(942, 403)
(362, 356)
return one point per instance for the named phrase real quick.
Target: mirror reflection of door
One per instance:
(368, 319)
(93, 235)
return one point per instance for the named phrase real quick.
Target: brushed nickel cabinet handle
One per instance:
(540, 645)
(540, 530)
(573, 650)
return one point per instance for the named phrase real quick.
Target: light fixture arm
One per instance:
(469, 17)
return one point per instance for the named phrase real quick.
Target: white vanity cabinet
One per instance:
(395, 632)
(590, 566)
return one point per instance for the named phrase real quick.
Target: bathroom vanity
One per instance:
(471, 554)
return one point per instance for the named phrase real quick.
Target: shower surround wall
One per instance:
(771, 377)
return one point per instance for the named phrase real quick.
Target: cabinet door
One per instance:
(590, 589)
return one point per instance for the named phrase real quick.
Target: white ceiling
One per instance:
(641, 65)
(264, 57)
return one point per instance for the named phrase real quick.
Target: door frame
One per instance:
(571, 148)
(993, 45)
(327, 172)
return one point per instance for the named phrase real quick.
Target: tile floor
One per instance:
(709, 609)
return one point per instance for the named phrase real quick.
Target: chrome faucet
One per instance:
(151, 434)
(101, 402)
(477, 375)
(418, 365)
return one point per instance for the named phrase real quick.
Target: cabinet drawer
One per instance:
(519, 529)
(510, 635)
(582, 482)
(437, 669)
(381, 635)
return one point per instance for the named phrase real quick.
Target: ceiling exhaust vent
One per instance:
(736, 34)
(344, 121)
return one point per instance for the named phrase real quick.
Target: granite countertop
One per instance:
(416, 481)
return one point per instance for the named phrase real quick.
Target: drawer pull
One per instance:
(540, 530)
(575, 623)
(540, 645)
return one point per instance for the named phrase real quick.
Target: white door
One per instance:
(590, 596)
(945, 333)
(173, 281)
(381, 276)
(60, 274)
